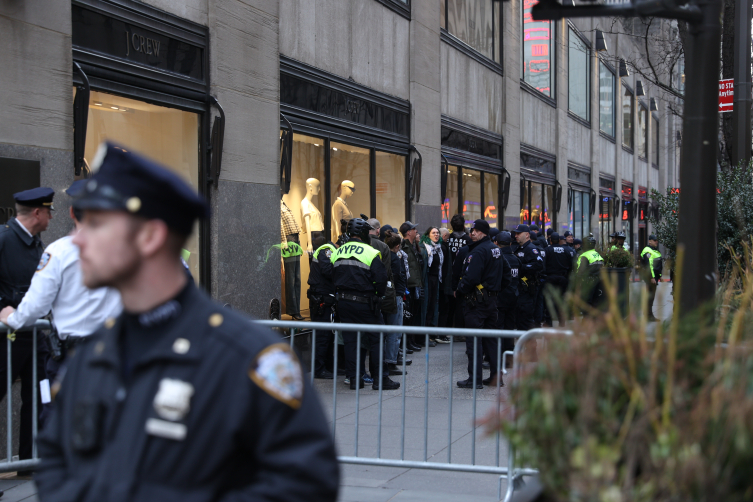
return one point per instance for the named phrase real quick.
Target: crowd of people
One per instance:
(477, 277)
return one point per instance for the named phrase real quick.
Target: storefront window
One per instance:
(538, 51)
(628, 105)
(605, 219)
(537, 203)
(390, 188)
(349, 163)
(491, 199)
(450, 206)
(471, 195)
(167, 135)
(606, 99)
(580, 213)
(475, 22)
(642, 131)
(579, 77)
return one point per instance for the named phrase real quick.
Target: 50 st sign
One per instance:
(726, 94)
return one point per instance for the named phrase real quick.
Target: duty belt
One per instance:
(352, 297)
(72, 341)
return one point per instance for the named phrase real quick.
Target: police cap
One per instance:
(493, 232)
(652, 237)
(36, 197)
(620, 235)
(567, 233)
(129, 182)
(503, 238)
(577, 241)
(76, 188)
(521, 228)
(555, 237)
(481, 226)
(534, 227)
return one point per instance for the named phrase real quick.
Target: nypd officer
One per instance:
(559, 263)
(177, 398)
(479, 287)
(361, 281)
(321, 295)
(652, 269)
(507, 301)
(57, 286)
(531, 266)
(588, 270)
(21, 250)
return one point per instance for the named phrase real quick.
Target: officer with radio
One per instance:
(507, 301)
(589, 268)
(361, 281)
(479, 286)
(559, 263)
(531, 267)
(652, 269)
(321, 295)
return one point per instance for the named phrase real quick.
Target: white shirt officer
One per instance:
(57, 285)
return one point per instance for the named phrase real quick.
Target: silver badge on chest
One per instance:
(173, 399)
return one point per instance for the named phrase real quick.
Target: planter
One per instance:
(621, 277)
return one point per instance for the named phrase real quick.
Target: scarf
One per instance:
(435, 249)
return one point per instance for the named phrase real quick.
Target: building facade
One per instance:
(424, 108)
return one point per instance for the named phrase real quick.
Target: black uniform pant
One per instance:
(480, 316)
(651, 297)
(538, 304)
(22, 365)
(324, 339)
(558, 287)
(359, 313)
(292, 281)
(507, 304)
(524, 316)
(450, 310)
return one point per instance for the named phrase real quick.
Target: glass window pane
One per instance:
(491, 196)
(457, 22)
(450, 206)
(538, 51)
(390, 188)
(167, 135)
(655, 140)
(525, 206)
(586, 222)
(606, 100)
(576, 218)
(642, 124)
(627, 118)
(537, 202)
(578, 77)
(605, 220)
(306, 197)
(548, 207)
(348, 163)
(471, 195)
(471, 22)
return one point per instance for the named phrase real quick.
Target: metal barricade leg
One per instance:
(426, 403)
(334, 387)
(402, 431)
(9, 402)
(313, 353)
(475, 369)
(34, 391)
(381, 388)
(449, 414)
(357, 382)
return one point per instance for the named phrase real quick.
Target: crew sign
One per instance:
(726, 93)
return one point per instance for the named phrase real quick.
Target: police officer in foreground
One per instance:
(588, 270)
(479, 286)
(361, 281)
(321, 295)
(652, 269)
(507, 301)
(177, 398)
(531, 266)
(559, 263)
(21, 250)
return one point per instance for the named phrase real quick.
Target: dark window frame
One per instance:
(655, 122)
(587, 43)
(398, 6)
(642, 107)
(629, 148)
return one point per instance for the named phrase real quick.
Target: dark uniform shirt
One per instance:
(511, 271)
(483, 265)
(354, 275)
(531, 263)
(19, 257)
(214, 408)
(320, 276)
(559, 260)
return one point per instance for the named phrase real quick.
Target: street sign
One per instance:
(726, 94)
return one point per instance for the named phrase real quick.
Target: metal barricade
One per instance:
(10, 464)
(513, 474)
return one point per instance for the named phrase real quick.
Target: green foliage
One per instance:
(617, 257)
(734, 208)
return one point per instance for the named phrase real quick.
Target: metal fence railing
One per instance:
(514, 474)
(11, 462)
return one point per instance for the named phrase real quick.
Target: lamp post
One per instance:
(697, 218)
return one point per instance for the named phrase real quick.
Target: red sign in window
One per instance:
(726, 94)
(540, 50)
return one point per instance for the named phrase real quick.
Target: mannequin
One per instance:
(291, 257)
(312, 218)
(340, 209)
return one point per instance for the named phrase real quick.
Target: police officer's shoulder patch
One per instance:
(328, 253)
(535, 251)
(277, 371)
(43, 261)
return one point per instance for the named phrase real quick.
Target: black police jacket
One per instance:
(531, 263)
(320, 275)
(559, 260)
(216, 410)
(458, 265)
(20, 255)
(353, 275)
(483, 265)
(510, 271)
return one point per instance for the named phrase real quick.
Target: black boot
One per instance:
(387, 384)
(468, 384)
